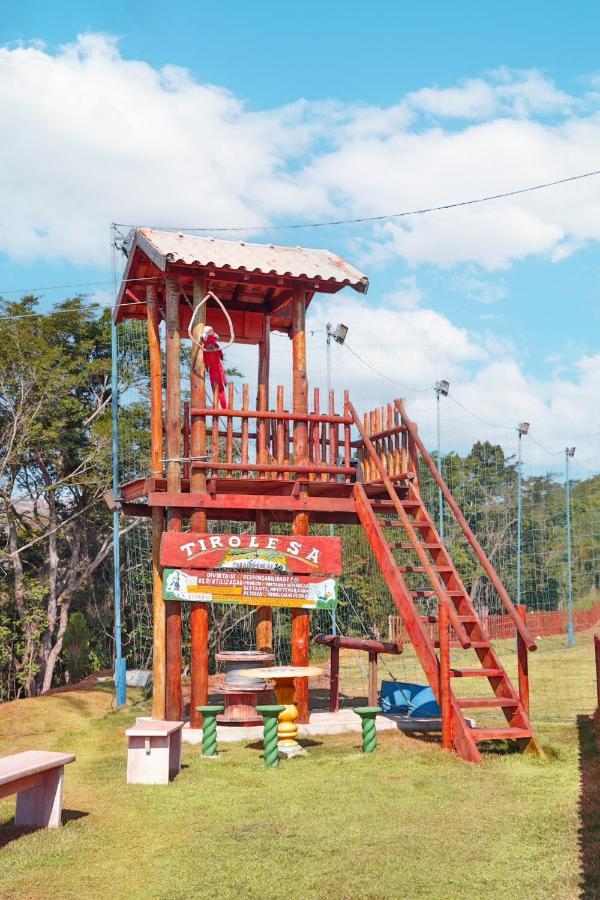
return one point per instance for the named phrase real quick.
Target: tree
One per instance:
(76, 647)
(55, 461)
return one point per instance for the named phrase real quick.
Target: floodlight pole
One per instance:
(569, 451)
(120, 666)
(438, 392)
(331, 527)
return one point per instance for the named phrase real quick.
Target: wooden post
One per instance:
(597, 651)
(373, 679)
(445, 696)
(523, 661)
(198, 611)
(159, 621)
(334, 679)
(264, 614)
(264, 360)
(300, 524)
(173, 704)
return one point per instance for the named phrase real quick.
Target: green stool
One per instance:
(369, 730)
(270, 714)
(209, 729)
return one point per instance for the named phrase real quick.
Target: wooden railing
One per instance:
(392, 445)
(274, 444)
(485, 563)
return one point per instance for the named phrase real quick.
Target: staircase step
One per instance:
(500, 734)
(396, 523)
(426, 593)
(421, 569)
(433, 619)
(476, 673)
(486, 702)
(473, 645)
(408, 546)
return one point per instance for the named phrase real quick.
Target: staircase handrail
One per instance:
(489, 569)
(443, 597)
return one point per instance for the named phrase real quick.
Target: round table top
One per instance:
(275, 673)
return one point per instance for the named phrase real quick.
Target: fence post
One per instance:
(445, 698)
(597, 649)
(523, 662)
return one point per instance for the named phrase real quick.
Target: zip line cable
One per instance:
(379, 218)
(381, 375)
(298, 225)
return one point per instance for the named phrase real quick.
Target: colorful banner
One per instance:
(278, 554)
(250, 588)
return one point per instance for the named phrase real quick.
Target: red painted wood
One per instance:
(273, 414)
(486, 564)
(334, 680)
(464, 743)
(597, 652)
(445, 692)
(523, 662)
(196, 551)
(368, 645)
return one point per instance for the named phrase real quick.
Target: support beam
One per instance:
(264, 361)
(300, 524)
(264, 614)
(173, 705)
(159, 620)
(198, 519)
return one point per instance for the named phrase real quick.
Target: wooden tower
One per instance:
(293, 464)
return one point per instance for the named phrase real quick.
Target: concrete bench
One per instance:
(36, 777)
(154, 751)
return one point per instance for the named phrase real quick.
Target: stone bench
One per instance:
(154, 751)
(36, 777)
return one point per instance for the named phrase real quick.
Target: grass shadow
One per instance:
(589, 805)
(12, 832)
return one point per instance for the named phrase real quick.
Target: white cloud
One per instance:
(90, 137)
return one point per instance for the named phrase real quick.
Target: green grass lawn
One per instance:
(408, 821)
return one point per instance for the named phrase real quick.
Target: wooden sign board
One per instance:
(250, 588)
(274, 553)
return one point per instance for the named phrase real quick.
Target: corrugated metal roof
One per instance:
(164, 247)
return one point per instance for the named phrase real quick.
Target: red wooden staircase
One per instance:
(396, 520)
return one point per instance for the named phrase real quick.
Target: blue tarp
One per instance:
(414, 700)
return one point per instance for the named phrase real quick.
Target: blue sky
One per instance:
(322, 110)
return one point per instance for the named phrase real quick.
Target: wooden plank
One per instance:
(295, 416)
(211, 504)
(173, 698)
(300, 525)
(334, 680)
(445, 692)
(373, 689)
(159, 613)
(523, 661)
(198, 613)
(366, 644)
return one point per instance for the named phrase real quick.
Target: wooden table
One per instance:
(284, 678)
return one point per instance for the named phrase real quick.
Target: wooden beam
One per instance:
(159, 618)
(300, 525)
(173, 704)
(198, 611)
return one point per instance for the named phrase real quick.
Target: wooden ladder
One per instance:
(402, 509)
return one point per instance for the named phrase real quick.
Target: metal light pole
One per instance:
(441, 390)
(339, 335)
(120, 668)
(569, 452)
(522, 428)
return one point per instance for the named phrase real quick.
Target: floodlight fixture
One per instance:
(570, 451)
(442, 387)
(523, 428)
(339, 335)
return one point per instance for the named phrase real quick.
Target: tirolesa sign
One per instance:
(250, 588)
(268, 553)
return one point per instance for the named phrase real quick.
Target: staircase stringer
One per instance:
(463, 741)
